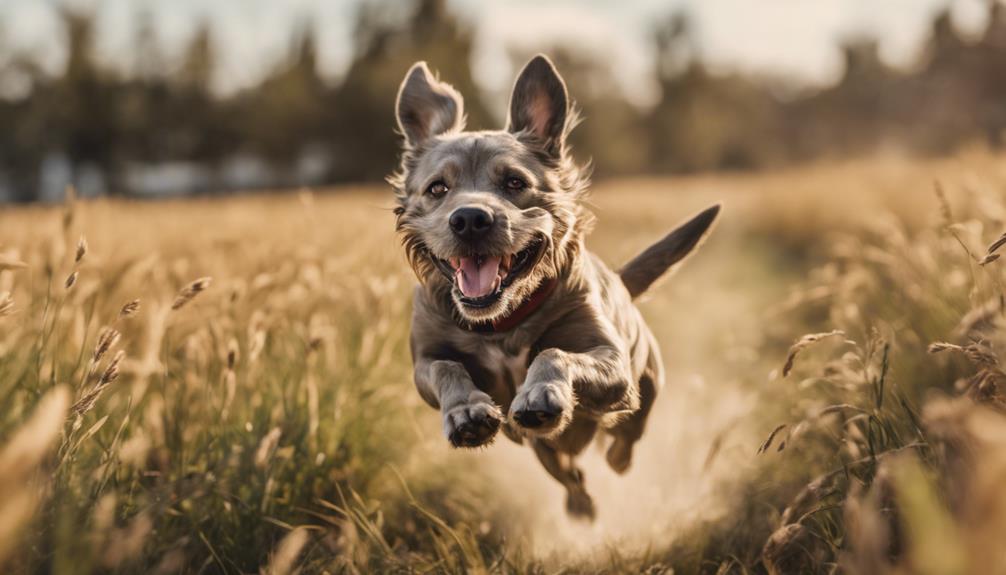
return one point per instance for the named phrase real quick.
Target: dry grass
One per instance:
(265, 421)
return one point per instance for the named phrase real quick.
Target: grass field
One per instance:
(264, 419)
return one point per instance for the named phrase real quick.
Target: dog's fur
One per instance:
(584, 359)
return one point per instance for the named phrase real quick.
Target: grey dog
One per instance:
(515, 324)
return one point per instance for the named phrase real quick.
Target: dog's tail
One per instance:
(640, 273)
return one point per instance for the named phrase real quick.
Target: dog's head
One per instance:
(489, 215)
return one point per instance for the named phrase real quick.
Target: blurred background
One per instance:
(156, 98)
(220, 381)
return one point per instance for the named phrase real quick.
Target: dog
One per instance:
(515, 325)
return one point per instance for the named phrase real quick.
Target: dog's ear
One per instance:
(427, 107)
(539, 105)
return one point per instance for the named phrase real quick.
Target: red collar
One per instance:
(530, 305)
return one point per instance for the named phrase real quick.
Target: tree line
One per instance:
(161, 128)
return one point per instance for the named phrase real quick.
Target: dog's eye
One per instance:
(515, 184)
(437, 189)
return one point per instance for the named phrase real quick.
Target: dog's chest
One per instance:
(512, 367)
(502, 370)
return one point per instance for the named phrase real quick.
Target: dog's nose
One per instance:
(471, 223)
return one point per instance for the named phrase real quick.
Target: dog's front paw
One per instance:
(473, 423)
(543, 408)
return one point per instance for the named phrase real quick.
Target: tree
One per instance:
(362, 115)
(81, 104)
(280, 117)
(706, 122)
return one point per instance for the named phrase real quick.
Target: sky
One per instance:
(798, 39)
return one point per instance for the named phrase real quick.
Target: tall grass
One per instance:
(898, 445)
(224, 386)
(252, 418)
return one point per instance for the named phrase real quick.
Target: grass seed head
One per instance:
(996, 245)
(70, 280)
(941, 346)
(108, 338)
(989, 259)
(771, 437)
(6, 304)
(191, 291)
(89, 398)
(111, 372)
(981, 355)
(81, 249)
(266, 447)
(129, 309)
(804, 342)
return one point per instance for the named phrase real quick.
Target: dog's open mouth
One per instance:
(482, 278)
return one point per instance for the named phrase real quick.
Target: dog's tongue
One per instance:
(477, 280)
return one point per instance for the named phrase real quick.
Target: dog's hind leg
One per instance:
(627, 432)
(562, 467)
